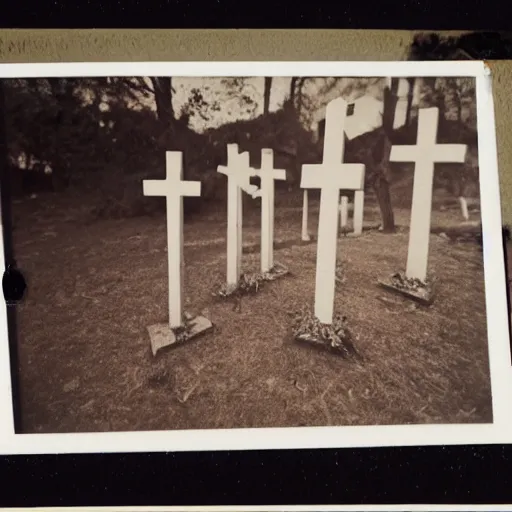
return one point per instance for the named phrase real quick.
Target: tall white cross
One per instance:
(330, 176)
(238, 172)
(424, 155)
(267, 175)
(173, 188)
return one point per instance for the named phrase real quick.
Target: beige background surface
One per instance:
(226, 45)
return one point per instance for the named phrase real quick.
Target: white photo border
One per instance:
(279, 508)
(499, 432)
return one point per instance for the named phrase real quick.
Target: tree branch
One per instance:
(139, 85)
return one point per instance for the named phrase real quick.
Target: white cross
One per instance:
(174, 189)
(424, 155)
(330, 176)
(238, 172)
(267, 175)
(343, 211)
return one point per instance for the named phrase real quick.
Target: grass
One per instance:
(85, 358)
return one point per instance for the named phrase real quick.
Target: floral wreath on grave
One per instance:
(337, 337)
(251, 283)
(415, 286)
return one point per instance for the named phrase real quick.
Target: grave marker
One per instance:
(358, 204)
(464, 208)
(267, 175)
(330, 176)
(344, 212)
(424, 154)
(305, 213)
(238, 172)
(173, 188)
(358, 212)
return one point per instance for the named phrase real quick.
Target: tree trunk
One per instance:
(410, 96)
(389, 108)
(381, 188)
(429, 83)
(299, 93)
(164, 109)
(457, 100)
(293, 84)
(380, 179)
(266, 94)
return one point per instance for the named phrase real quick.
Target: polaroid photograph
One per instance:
(246, 255)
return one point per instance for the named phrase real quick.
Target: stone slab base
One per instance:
(161, 335)
(422, 297)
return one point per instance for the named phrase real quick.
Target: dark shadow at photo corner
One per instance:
(10, 263)
(476, 45)
(506, 232)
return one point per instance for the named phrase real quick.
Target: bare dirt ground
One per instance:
(85, 359)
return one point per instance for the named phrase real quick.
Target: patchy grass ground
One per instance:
(85, 359)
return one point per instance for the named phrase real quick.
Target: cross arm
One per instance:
(190, 188)
(154, 187)
(405, 153)
(340, 176)
(240, 171)
(169, 188)
(448, 153)
(275, 174)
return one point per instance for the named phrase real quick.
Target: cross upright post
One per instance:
(330, 176)
(305, 212)
(267, 175)
(173, 188)
(238, 172)
(424, 154)
(344, 211)
(358, 212)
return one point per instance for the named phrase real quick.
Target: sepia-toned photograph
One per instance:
(247, 252)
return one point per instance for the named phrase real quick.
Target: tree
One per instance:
(301, 101)
(163, 90)
(81, 129)
(55, 122)
(157, 89)
(198, 106)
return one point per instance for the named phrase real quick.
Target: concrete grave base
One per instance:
(422, 296)
(353, 234)
(161, 335)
